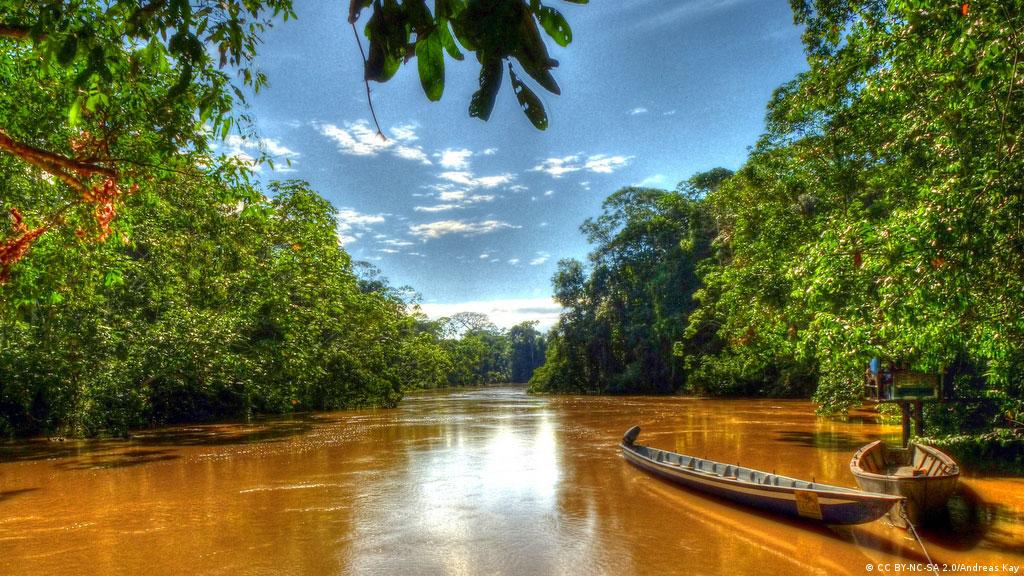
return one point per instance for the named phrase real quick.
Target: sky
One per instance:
(475, 215)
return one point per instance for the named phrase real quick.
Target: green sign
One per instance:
(915, 386)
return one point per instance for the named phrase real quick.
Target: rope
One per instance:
(906, 518)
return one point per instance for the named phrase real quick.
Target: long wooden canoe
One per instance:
(924, 475)
(778, 494)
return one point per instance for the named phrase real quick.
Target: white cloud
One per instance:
(556, 167)
(412, 153)
(541, 258)
(239, 148)
(459, 177)
(352, 224)
(485, 256)
(357, 138)
(355, 218)
(360, 139)
(451, 195)
(490, 152)
(441, 228)
(454, 159)
(513, 261)
(451, 199)
(404, 133)
(669, 113)
(492, 181)
(388, 250)
(652, 180)
(517, 188)
(466, 178)
(549, 193)
(275, 148)
(397, 242)
(504, 313)
(437, 208)
(599, 163)
(244, 158)
(603, 164)
(637, 111)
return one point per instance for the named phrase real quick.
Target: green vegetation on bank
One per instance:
(146, 277)
(222, 303)
(880, 215)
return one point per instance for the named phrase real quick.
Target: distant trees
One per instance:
(482, 353)
(528, 347)
(625, 318)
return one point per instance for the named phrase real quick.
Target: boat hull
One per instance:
(814, 502)
(926, 494)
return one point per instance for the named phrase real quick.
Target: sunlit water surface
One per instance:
(488, 481)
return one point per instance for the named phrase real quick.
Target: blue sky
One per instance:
(474, 215)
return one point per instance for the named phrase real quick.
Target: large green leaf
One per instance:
(448, 41)
(555, 25)
(430, 61)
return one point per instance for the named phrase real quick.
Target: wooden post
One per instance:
(919, 422)
(905, 414)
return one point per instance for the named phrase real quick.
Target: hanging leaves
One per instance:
(555, 25)
(498, 31)
(482, 103)
(529, 102)
(430, 61)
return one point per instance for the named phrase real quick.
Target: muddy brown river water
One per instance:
(486, 481)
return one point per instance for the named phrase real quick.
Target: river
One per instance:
(484, 481)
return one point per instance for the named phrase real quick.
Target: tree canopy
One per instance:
(880, 215)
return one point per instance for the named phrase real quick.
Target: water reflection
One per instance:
(475, 482)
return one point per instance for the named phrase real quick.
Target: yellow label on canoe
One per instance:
(807, 504)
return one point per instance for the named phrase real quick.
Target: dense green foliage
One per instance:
(881, 214)
(208, 307)
(222, 303)
(624, 319)
(144, 279)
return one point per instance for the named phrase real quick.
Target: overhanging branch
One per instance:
(65, 169)
(15, 32)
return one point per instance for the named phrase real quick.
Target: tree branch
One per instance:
(15, 32)
(369, 98)
(65, 169)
